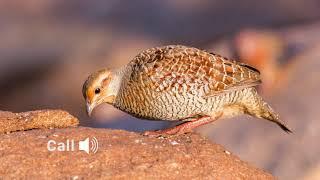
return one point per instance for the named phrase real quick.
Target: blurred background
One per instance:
(49, 47)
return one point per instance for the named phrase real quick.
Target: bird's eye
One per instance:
(97, 91)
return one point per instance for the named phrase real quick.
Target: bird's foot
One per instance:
(183, 128)
(177, 130)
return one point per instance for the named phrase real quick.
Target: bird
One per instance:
(180, 83)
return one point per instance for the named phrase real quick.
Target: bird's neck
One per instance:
(116, 81)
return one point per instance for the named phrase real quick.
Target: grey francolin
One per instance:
(179, 83)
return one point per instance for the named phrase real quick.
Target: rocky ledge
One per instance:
(120, 154)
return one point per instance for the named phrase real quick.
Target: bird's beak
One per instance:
(94, 104)
(90, 107)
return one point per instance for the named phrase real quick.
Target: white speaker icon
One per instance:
(85, 145)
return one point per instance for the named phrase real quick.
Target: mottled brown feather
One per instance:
(188, 69)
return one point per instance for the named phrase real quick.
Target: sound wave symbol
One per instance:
(87, 145)
(94, 145)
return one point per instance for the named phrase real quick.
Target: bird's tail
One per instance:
(263, 110)
(269, 114)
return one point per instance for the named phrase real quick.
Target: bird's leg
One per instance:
(183, 128)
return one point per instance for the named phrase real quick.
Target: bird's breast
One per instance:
(169, 105)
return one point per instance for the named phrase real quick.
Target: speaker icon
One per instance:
(85, 145)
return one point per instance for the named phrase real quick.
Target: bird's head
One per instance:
(99, 88)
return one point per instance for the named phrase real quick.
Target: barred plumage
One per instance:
(180, 83)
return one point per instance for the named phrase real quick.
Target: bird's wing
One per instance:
(190, 70)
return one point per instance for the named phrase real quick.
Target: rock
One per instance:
(10, 122)
(121, 154)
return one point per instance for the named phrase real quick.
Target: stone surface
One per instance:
(121, 155)
(10, 122)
